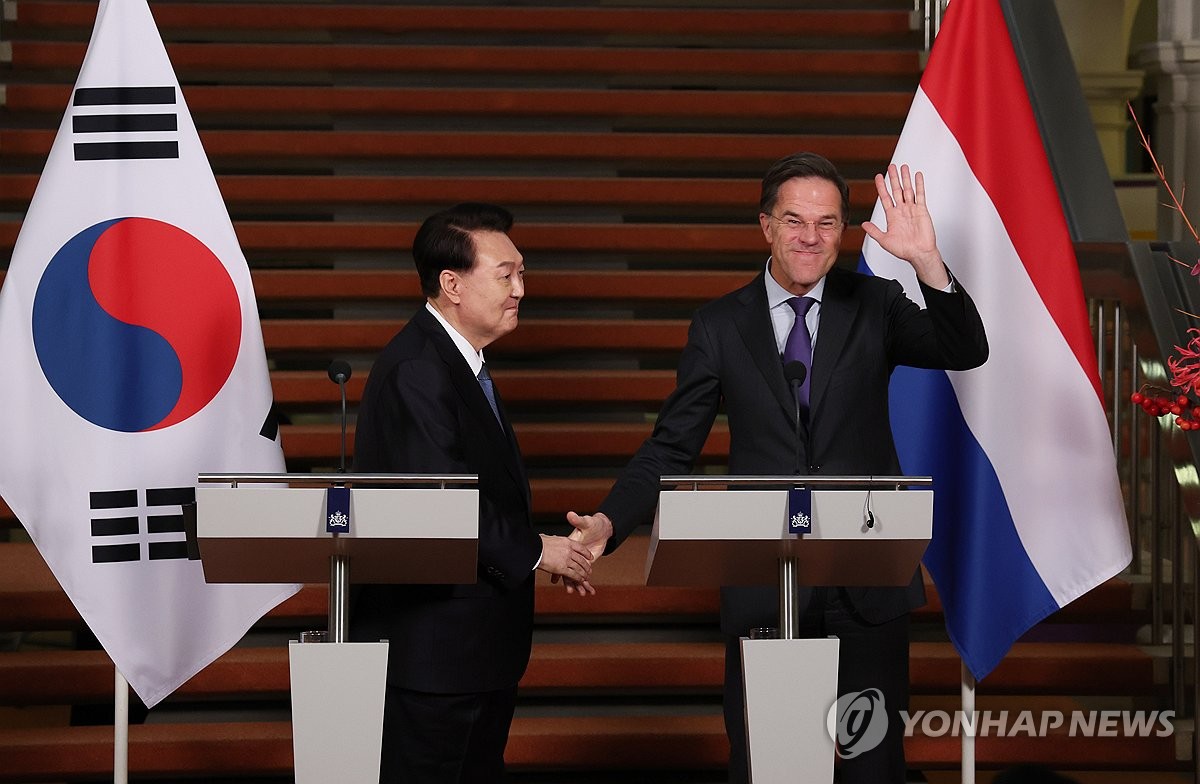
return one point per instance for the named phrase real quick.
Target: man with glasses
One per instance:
(849, 330)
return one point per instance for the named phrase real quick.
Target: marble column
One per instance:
(1098, 33)
(1174, 62)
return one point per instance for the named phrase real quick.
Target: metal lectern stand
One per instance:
(403, 528)
(733, 530)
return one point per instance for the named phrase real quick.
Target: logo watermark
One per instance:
(1039, 724)
(858, 722)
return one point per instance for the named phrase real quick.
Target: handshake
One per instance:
(570, 558)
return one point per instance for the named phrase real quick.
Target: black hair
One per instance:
(801, 164)
(444, 240)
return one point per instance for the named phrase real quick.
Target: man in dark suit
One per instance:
(857, 328)
(429, 406)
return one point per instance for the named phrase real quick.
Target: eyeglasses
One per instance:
(824, 227)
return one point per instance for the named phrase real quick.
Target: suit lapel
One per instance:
(838, 309)
(753, 320)
(471, 392)
(516, 466)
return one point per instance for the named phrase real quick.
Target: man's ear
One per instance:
(450, 283)
(764, 221)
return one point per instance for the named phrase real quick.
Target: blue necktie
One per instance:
(798, 347)
(489, 391)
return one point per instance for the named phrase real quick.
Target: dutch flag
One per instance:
(1028, 511)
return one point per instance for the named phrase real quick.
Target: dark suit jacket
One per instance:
(423, 411)
(868, 327)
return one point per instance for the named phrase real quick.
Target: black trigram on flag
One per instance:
(162, 513)
(124, 118)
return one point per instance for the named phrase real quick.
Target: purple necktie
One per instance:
(798, 347)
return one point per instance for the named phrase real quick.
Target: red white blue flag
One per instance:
(134, 359)
(1028, 508)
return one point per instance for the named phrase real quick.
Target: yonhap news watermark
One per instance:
(1040, 723)
(858, 722)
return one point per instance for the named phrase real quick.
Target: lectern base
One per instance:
(790, 686)
(337, 711)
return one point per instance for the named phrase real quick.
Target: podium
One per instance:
(713, 531)
(403, 528)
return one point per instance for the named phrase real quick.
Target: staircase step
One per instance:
(1045, 668)
(521, 388)
(155, 750)
(328, 287)
(549, 285)
(680, 64)
(649, 238)
(550, 440)
(321, 192)
(631, 742)
(61, 677)
(535, 336)
(46, 677)
(313, 148)
(262, 103)
(403, 19)
(31, 599)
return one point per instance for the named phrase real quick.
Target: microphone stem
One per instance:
(796, 398)
(342, 388)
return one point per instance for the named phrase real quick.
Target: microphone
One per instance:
(339, 373)
(795, 372)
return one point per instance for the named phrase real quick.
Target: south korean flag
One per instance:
(130, 339)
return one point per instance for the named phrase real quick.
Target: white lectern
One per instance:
(403, 528)
(733, 530)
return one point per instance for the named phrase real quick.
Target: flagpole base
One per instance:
(120, 729)
(337, 711)
(790, 686)
(967, 690)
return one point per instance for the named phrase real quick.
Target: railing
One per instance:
(927, 16)
(1139, 297)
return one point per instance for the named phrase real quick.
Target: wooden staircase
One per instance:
(628, 141)
(624, 683)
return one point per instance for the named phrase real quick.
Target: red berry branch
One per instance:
(1184, 365)
(1185, 377)
(1157, 403)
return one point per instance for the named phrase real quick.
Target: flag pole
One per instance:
(120, 729)
(968, 725)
